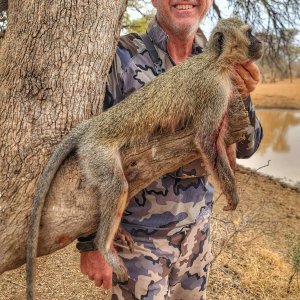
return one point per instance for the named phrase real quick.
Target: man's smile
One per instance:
(184, 6)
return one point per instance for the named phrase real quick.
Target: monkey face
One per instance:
(233, 41)
(255, 48)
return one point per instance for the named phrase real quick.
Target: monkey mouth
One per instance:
(256, 53)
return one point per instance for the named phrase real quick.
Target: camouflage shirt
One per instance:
(171, 201)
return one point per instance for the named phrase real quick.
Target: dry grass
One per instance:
(280, 94)
(255, 273)
(59, 278)
(253, 264)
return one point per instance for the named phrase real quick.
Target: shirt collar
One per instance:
(160, 37)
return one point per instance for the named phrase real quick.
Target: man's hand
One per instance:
(246, 77)
(93, 264)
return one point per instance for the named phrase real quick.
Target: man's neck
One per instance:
(180, 49)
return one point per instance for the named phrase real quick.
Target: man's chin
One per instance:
(186, 28)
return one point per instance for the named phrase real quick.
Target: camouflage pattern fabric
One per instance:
(169, 220)
(173, 266)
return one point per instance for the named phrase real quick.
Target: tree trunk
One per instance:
(3, 5)
(54, 61)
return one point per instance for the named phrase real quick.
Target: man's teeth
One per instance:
(184, 6)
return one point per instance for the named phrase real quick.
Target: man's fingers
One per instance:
(103, 279)
(253, 70)
(240, 84)
(91, 277)
(247, 77)
(93, 264)
(107, 281)
(83, 267)
(98, 281)
(244, 75)
(238, 79)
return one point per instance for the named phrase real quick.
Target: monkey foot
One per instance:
(117, 264)
(231, 205)
(232, 201)
(228, 207)
(125, 238)
(121, 273)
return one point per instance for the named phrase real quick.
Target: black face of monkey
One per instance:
(234, 40)
(255, 46)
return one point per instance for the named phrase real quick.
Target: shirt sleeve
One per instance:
(114, 85)
(248, 147)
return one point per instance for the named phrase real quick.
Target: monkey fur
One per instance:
(197, 91)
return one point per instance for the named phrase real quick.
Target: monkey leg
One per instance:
(215, 156)
(225, 175)
(104, 171)
(231, 154)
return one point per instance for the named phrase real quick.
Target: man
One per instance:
(169, 220)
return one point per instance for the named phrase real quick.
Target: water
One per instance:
(280, 145)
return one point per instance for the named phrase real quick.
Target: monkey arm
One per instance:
(253, 135)
(238, 122)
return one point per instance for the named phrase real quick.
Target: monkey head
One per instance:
(232, 40)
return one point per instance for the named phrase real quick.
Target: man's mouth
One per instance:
(183, 6)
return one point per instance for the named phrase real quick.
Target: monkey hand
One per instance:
(93, 264)
(246, 77)
(125, 238)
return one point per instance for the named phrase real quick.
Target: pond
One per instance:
(280, 145)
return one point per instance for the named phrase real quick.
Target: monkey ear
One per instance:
(218, 42)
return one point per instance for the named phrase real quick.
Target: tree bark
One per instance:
(3, 5)
(54, 61)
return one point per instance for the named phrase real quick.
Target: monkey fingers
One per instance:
(125, 238)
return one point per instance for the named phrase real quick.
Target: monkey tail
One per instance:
(62, 150)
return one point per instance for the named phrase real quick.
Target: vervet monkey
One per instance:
(196, 92)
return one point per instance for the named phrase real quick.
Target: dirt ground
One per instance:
(254, 263)
(282, 94)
